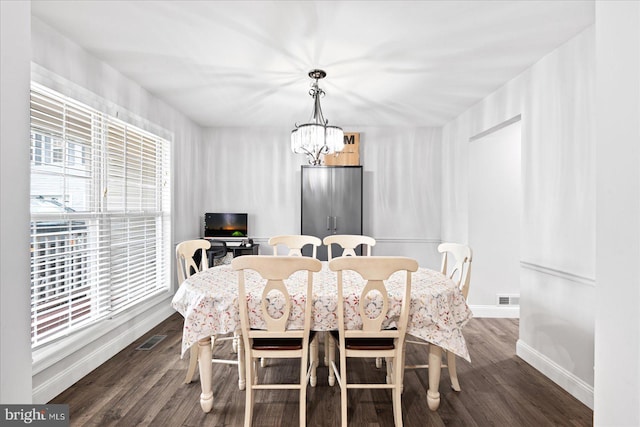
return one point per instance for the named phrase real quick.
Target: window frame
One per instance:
(98, 219)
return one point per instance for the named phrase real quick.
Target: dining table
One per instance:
(208, 301)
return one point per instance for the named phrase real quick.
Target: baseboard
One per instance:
(70, 374)
(556, 373)
(510, 312)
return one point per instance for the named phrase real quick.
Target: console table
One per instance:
(232, 251)
(244, 250)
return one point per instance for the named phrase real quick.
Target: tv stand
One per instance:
(237, 246)
(244, 250)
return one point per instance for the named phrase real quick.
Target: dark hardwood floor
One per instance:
(145, 388)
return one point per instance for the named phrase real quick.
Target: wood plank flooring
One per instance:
(145, 388)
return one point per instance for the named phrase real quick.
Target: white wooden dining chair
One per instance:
(276, 341)
(349, 243)
(186, 267)
(372, 340)
(456, 265)
(295, 243)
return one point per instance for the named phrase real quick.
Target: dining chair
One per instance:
(460, 272)
(186, 267)
(275, 341)
(349, 243)
(295, 243)
(372, 340)
(217, 251)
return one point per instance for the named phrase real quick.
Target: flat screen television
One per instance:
(225, 225)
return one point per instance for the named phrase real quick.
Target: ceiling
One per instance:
(388, 63)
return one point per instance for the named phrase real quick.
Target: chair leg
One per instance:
(343, 404)
(390, 367)
(453, 374)
(313, 355)
(254, 369)
(234, 343)
(343, 388)
(193, 363)
(249, 398)
(242, 382)
(303, 402)
(326, 337)
(401, 366)
(303, 388)
(331, 346)
(397, 392)
(378, 362)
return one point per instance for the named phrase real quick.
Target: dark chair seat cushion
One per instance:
(279, 343)
(366, 343)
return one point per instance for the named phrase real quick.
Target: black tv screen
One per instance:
(225, 225)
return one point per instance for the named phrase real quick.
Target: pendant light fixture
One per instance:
(316, 138)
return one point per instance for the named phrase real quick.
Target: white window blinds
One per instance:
(100, 215)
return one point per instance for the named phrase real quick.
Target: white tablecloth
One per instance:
(209, 303)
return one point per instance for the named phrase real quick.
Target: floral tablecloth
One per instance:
(209, 303)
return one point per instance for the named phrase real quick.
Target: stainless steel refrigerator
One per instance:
(331, 203)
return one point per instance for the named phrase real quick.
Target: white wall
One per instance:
(63, 66)
(617, 357)
(556, 100)
(402, 191)
(495, 204)
(254, 171)
(15, 345)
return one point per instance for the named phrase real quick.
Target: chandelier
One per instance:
(316, 138)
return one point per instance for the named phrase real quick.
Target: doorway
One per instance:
(494, 214)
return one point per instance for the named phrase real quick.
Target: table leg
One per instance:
(326, 338)
(204, 363)
(435, 364)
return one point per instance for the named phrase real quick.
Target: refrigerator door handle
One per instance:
(328, 223)
(335, 223)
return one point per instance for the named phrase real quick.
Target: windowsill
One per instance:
(56, 351)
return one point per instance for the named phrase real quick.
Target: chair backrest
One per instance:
(295, 243)
(374, 270)
(218, 249)
(461, 271)
(275, 269)
(349, 242)
(185, 252)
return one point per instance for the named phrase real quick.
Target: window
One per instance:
(100, 215)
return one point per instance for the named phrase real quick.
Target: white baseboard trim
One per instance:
(69, 375)
(556, 373)
(509, 312)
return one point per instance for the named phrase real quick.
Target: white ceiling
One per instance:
(388, 63)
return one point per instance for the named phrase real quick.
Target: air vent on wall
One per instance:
(511, 299)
